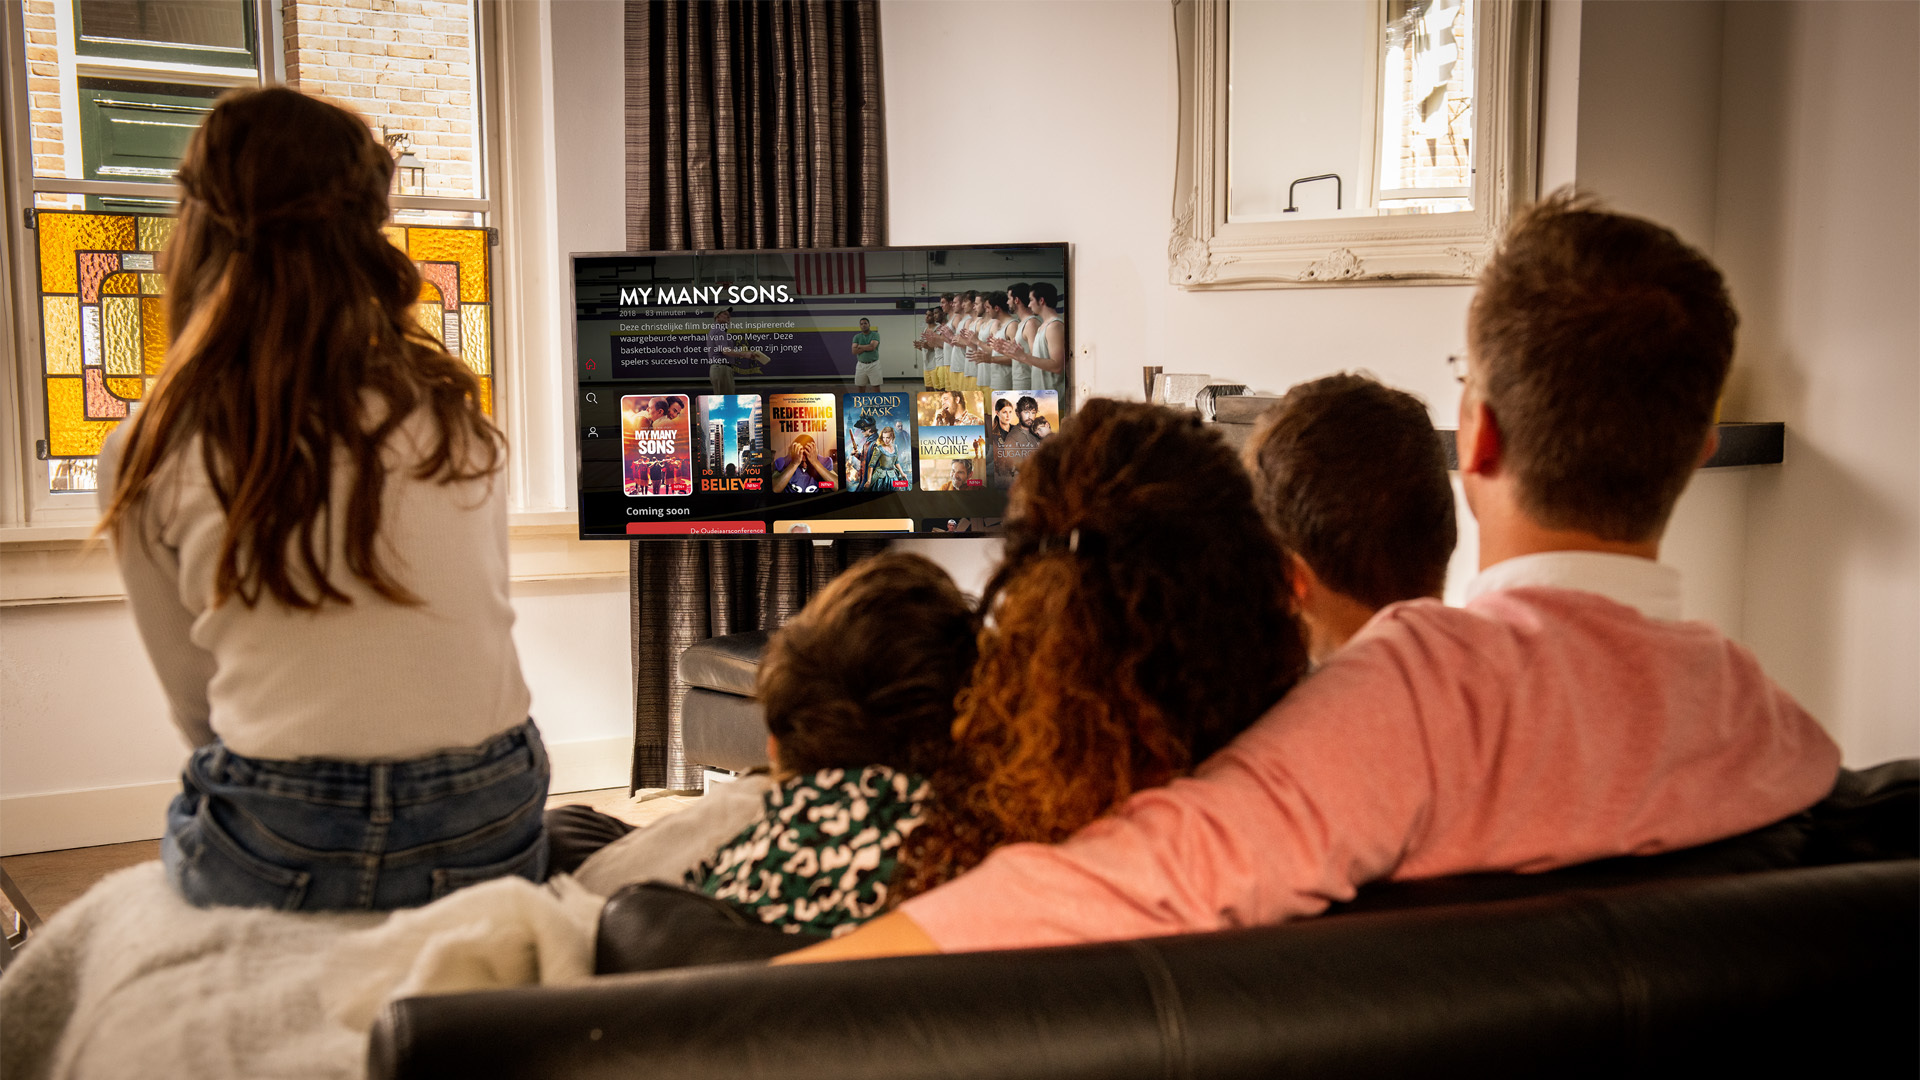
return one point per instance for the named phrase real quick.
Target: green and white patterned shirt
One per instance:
(822, 857)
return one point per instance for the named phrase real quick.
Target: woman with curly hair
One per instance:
(1139, 621)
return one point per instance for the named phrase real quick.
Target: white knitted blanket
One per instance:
(131, 981)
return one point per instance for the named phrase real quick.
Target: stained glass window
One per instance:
(104, 332)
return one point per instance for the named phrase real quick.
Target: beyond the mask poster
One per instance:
(879, 454)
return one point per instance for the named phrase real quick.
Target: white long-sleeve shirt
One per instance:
(370, 680)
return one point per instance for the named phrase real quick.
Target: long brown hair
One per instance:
(294, 350)
(1138, 622)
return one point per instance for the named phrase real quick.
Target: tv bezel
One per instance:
(1068, 404)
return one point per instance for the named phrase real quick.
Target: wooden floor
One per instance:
(53, 879)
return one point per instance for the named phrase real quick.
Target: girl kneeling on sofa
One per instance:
(858, 691)
(309, 518)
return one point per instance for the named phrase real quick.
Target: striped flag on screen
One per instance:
(830, 275)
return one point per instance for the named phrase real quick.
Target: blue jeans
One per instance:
(324, 835)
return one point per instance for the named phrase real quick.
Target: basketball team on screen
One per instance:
(990, 340)
(1198, 691)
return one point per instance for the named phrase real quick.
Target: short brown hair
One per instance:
(867, 672)
(1353, 478)
(1604, 341)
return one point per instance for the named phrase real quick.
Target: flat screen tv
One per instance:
(757, 393)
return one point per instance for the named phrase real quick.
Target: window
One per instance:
(106, 93)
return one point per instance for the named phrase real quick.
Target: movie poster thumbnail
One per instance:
(952, 408)
(656, 447)
(964, 526)
(953, 458)
(730, 443)
(803, 443)
(879, 442)
(1021, 419)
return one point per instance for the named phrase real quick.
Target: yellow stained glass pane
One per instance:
(121, 285)
(69, 432)
(476, 346)
(396, 235)
(63, 234)
(155, 232)
(131, 389)
(153, 334)
(60, 329)
(428, 316)
(468, 247)
(153, 285)
(121, 335)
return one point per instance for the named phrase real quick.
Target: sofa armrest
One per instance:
(653, 927)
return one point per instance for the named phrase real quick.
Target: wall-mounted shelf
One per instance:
(1741, 443)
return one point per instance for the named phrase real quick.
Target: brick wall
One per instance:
(1444, 161)
(406, 65)
(43, 90)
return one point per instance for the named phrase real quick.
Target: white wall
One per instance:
(1814, 560)
(1283, 54)
(1818, 227)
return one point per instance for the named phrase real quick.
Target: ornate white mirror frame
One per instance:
(1207, 251)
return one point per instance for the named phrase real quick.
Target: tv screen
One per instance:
(875, 391)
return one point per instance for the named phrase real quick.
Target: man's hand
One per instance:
(893, 934)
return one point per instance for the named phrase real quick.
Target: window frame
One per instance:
(149, 52)
(29, 511)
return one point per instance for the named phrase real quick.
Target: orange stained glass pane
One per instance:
(121, 344)
(121, 285)
(131, 389)
(468, 247)
(475, 346)
(60, 333)
(153, 334)
(486, 396)
(62, 235)
(69, 432)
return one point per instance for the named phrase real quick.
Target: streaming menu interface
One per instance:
(682, 462)
(741, 394)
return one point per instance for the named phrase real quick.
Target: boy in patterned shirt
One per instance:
(859, 696)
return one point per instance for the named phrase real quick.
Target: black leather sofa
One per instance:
(721, 724)
(1791, 950)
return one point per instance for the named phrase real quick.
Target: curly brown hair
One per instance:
(1138, 622)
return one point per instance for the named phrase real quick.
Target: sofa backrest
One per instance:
(1771, 970)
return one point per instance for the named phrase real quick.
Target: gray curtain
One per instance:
(749, 125)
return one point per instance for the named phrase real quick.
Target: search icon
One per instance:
(591, 399)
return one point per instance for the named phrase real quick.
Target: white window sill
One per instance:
(54, 564)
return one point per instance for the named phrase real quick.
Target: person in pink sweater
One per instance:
(1565, 714)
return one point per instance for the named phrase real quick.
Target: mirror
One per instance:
(1350, 141)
